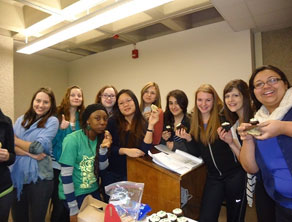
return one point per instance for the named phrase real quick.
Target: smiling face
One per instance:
(108, 98)
(41, 104)
(126, 105)
(269, 95)
(149, 95)
(98, 121)
(174, 107)
(234, 100)
(205, 102)
(75, 97)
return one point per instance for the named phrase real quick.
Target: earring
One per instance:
(88, 127)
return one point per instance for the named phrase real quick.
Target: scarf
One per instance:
(278, 114)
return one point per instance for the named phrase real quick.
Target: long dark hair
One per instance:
(248, 110)
(30, 117)
(137, 128)
(253, 75)
(182, 101)
(64, 107)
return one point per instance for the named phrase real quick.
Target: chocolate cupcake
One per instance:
(226, 126)
(162, 214)
(180, 126)
(178, 212)
(182, 219)
(253, 121)
(171, 217)
(154, 218)
(168, 128)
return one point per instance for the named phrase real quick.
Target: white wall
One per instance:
(32, 72)
(6, 76)
(209, 54)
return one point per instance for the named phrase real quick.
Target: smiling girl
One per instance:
(225, 178)
(150, 94)
(68, 113)
(175, 114)
(107, 97)
(32, 173)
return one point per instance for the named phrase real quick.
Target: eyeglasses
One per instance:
(127, 101)
(108, 96)
(270, 82)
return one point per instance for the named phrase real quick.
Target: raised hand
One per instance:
(107, 141)
(225, 136)
(64, 123)
(182, 133)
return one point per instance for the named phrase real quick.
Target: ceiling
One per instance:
(18, 15)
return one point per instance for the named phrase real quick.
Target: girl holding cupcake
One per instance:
(150, 94)
(225, 178)
(84, 158)
(176, 119)
(132, 135)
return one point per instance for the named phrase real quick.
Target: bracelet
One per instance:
(148, 130)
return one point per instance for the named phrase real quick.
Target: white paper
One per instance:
(179, 161)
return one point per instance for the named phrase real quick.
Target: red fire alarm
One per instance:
(135, 53)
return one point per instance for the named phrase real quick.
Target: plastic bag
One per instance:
(126, 197)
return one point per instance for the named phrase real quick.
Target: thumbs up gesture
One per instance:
(64, 123)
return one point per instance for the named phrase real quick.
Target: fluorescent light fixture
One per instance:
(107, 15)
(67, 13)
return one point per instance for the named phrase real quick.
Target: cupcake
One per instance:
(226, 126)
(182, 219)
(171, 217)
(180, 126)
(154, 218)
(168, 128)
(253, 121)
(178, 212)
(164, 220)
(162, 214)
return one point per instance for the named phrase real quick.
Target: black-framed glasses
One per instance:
(110, 96)
(271, 81)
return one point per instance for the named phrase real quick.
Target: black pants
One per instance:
(230, 188)
(33, 203)
(5, 205)
(59, 213)
(267, 209)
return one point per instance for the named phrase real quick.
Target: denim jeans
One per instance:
(33, 203)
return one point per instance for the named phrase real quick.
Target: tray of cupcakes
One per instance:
(175, 216)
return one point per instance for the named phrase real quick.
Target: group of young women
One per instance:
(89, 146)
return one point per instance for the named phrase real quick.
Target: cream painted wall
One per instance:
(32, 72)
(208, 54)
(6, 76)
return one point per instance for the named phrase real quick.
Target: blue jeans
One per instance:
(33, 203)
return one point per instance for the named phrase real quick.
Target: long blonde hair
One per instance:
(208, 135)
(157, 101)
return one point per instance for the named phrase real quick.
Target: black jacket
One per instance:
(218, 157)
(7, 141)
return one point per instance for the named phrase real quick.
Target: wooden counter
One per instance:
(162, 189)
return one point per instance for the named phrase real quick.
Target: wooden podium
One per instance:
(162, 188)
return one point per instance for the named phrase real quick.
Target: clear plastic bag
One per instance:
(126, 197)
